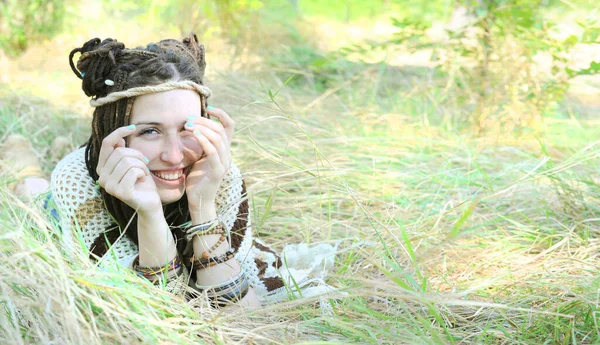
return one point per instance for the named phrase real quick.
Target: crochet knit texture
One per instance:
(82, 212)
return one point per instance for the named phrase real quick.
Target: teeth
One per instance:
(170, 176)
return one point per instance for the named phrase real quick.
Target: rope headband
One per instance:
(144, 90)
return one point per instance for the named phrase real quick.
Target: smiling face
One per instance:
(160, 136)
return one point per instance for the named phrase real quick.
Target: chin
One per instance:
(169, 197)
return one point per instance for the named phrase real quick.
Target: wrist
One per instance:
(203, 213)
(155, 240)
(151, 213)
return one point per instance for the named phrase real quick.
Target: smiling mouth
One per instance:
(171, 175)
(168, 176)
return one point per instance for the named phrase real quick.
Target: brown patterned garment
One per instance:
(239, 227)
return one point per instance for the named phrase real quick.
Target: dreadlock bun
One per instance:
(167, 60)
(98, 63)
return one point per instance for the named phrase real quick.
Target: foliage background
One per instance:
(449, 147)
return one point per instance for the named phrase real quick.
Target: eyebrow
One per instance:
(148, 123)
(154, 123)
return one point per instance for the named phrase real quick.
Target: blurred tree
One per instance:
(25, 21)
(230, 16)
(508, 37)
(491, 52)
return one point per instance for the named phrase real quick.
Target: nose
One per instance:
(172, 150)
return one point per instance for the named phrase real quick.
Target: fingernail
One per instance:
(131, 127)
(189, 124)
(146, 160)
(210, 108)
(191, 118)
(197, 132)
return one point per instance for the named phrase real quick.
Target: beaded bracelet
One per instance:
(211, 261)
(206, 253)
(213, 227)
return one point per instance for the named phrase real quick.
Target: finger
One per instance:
(112, 141)
(130, 178)
(114, 184)
(225, 120)
(217, 141)
(123, 189)
(215, 126)
(126, 164)
(211, 152)
(116, 156)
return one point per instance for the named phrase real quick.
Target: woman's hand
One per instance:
(123, 173)
(202, 183)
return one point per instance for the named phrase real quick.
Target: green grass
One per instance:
(445, 237)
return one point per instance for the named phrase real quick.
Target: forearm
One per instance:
(155, 240)
(218, 273)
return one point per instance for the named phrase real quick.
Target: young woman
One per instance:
(155, 184)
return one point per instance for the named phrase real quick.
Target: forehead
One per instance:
(161, 106)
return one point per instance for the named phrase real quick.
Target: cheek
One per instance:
(148, 148)
(192, 146)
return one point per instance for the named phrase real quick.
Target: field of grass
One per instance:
(445, 237)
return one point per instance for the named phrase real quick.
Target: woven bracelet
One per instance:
(227, 292)
(148, 272)
(230, 297)
(208, 228)
(156, 279)
(223, 286)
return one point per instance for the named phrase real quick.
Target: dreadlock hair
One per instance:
(165, 61)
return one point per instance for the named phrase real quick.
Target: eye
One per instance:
(148, 131)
